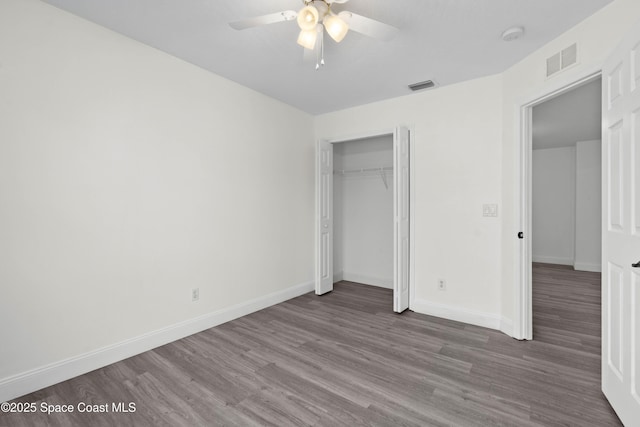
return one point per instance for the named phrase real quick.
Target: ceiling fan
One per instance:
(315, 18)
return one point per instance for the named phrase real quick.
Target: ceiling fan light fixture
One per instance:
(335, 27)
(307, 38)
(308, 18)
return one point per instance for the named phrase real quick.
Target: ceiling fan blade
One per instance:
(368, 27)
(272, 18)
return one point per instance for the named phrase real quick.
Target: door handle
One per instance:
(636, 265)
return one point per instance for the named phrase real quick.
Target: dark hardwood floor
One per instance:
(346, 359)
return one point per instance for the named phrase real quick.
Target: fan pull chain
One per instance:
(322, 47)
(320, 52)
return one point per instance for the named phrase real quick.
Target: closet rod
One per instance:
(365, 170)
(381, 171)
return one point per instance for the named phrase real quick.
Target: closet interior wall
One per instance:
(363, 211)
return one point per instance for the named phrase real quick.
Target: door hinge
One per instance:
(520, 235)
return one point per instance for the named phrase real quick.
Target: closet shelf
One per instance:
(382, 171)
(361, 171)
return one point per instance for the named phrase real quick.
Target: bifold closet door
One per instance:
(324, 218)
(401, 219)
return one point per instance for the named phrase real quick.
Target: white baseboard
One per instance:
(552, 260)
(473, 317)
(45, 376)
(367, 280)
(587, 266)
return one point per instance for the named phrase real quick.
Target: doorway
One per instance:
(566, 182)
(523, 320)
(363, 211)
(325, 224)
(566, 206)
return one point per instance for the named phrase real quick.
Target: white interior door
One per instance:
(401, 219)
(621, 229)
(324, 218)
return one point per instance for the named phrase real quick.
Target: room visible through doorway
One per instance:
(566, 198)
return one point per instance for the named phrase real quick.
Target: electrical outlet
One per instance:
(195, 294)
(442, 284)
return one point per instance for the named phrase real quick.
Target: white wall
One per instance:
(596, 37)
(466, 154)
(116, 200)
(588, 254)
(554, 205)
(456, 169)
(363, 212)
(127, 178)
(567, 205)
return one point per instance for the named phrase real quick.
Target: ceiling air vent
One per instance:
(562, 60)
(422, 85)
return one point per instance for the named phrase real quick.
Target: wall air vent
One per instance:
(553, 64)
(561, 60)
(427, 84)
(569, 56)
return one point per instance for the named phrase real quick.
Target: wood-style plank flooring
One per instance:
(345, 359)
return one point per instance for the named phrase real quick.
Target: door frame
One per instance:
(365, 135)
(523, 313)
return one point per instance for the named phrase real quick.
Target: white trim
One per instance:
(523, 247)
(44, 376)
(360, 135)
(588, 266)
(412, 215)
(473, 317)
(552, 260)
(368, 280)
(522, 298)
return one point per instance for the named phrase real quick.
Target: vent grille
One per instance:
(563, 59)
(553, 64)
(570, 55)
(422, 85)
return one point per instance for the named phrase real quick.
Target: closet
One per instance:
(363, 192)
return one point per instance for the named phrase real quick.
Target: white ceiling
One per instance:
(447, 41)
(568, 118)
